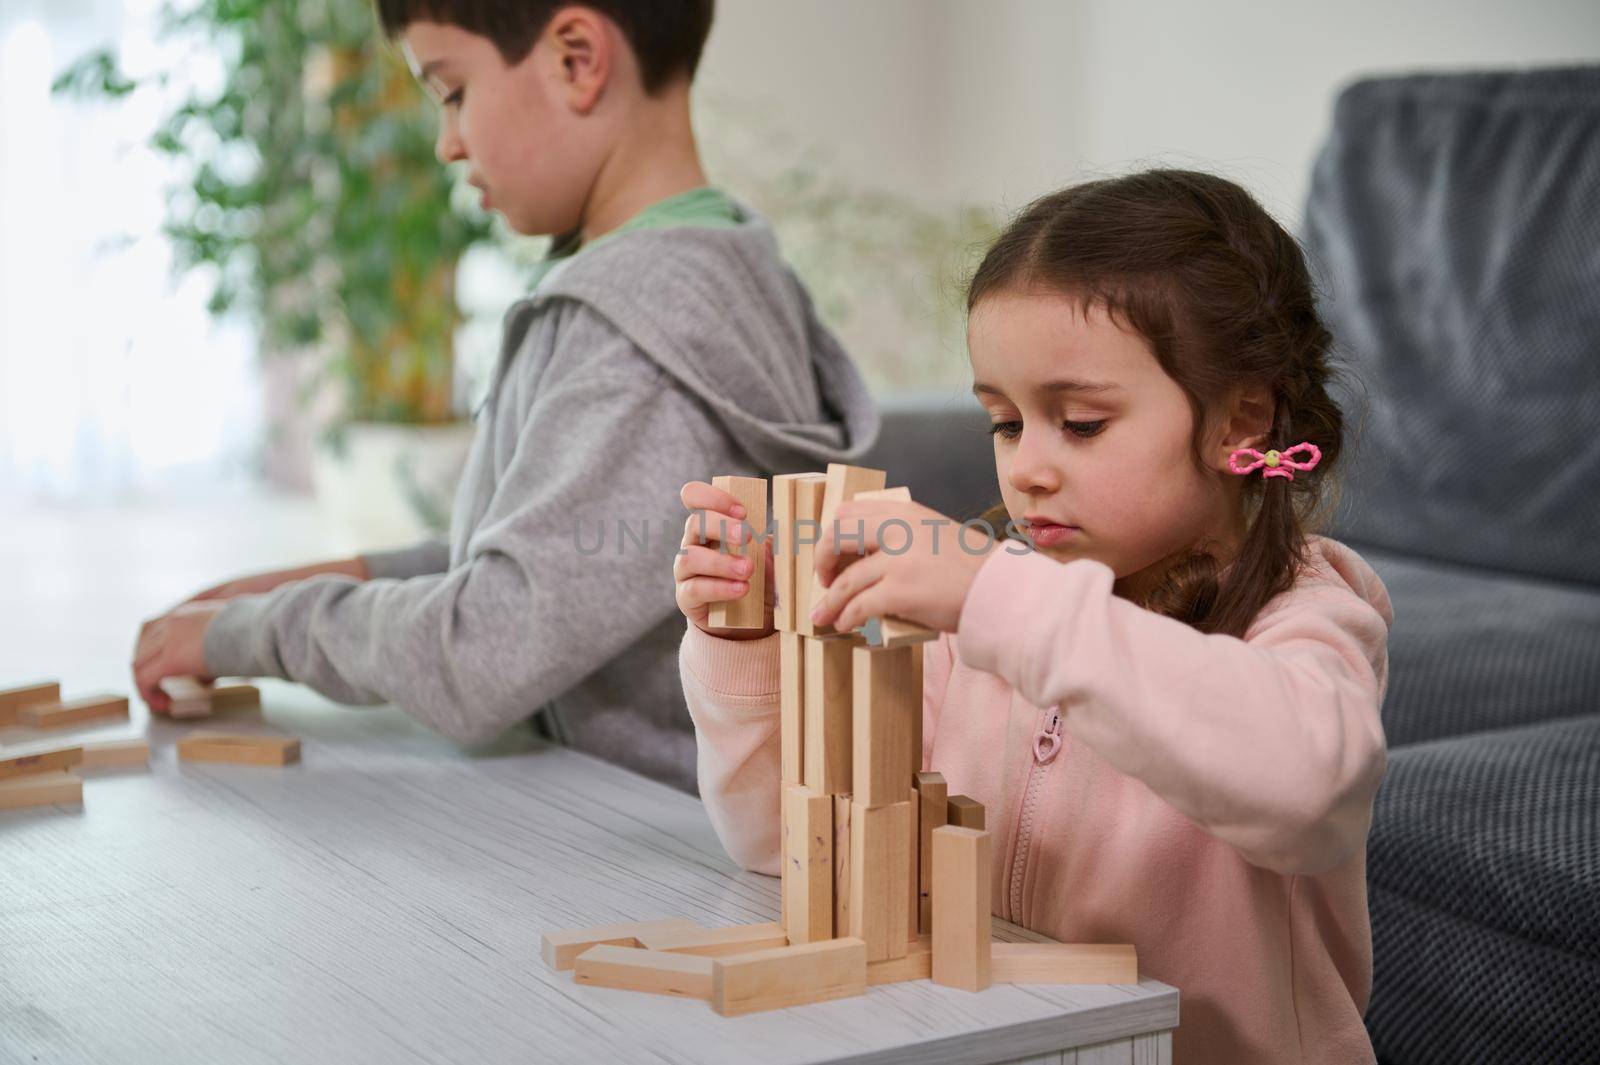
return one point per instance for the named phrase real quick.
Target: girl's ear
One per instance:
(1246, 421)
(585, 52)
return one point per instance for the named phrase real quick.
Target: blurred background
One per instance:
(230, 267)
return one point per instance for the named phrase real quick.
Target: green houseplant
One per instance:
(312, 193)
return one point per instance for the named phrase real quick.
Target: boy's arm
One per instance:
(418, 560)
(469, 652)
(1273, 745)
(731, 687)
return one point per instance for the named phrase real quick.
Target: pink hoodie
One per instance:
(1208, 800)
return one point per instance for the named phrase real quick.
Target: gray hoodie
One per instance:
(653, 358)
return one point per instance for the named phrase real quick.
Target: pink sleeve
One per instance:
(937, 659)
(731, 687)
(1273, 745)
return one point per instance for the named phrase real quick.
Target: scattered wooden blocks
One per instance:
(808, 835)
(1065, 963)
(19, 765)
(561, 949)
(713, 942)
(828, 735)
(637, 969)
(932, 812)
(789, 976)
(116, 754)
(74, 711)
(965, 812)
(239, 748)
(55, 787)
(880, 867)
(961, 907)
(749, 610)
(14, 699)
(192, 698)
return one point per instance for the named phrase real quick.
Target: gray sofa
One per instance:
(1455, 224)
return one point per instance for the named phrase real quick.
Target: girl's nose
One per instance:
(1032, 468)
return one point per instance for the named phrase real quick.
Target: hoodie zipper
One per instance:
(1046, 744)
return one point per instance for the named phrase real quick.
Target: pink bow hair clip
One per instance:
(1276, 463)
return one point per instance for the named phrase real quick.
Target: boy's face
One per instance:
(1113, 466)
(520, 129)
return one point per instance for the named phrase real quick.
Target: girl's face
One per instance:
(1093, 441)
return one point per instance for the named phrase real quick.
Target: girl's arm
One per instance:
(1273, 745)
(731, 687)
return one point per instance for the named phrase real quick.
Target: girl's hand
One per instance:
(923, 575)
(705, 574)
(172, 645)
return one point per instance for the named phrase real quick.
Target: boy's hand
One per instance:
(705, 574)
(259, 583)
(172, 645)
(925, 583)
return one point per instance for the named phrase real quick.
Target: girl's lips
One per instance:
(1047, 535)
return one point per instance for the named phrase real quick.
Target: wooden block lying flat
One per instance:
(560, 949)
(789, 976)
(239, 748)
(115, 753)
(18, 765)
(965, 812)
(54, 788)
(961, 908)
(844, 483)
(883, 697)
(841, 865)
(828, 735)
(808, 493)
(808, 829)
(749, 610)
(916, 965)
(1065, 963)
(880, 866)
(932, 812)
(637, 969)
(717, 942)
(791, 707)
(192, 698)
(73, 711)
(15, 699)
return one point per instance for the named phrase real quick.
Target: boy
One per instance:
(664, 340)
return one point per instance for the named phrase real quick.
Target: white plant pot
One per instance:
(389, 485)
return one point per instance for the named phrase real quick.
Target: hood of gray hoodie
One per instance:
(719, 311)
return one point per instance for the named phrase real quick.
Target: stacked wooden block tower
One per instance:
(885, 877)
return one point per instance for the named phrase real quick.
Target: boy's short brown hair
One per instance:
(667, 36)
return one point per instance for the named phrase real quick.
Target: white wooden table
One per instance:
(383, 901)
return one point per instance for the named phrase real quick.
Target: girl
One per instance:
(1169, 704)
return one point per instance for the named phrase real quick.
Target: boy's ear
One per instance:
(1246, 422)
(584, 54)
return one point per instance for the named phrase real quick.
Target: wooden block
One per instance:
(711, 942)
(240, 748)
(932, 812)
(15, 699)
(73, 711)
(913, 881)
(808, 825)
(961, 908)
(785, 829)
(749, 610)
(1065, 963)
(916, 965)
(637, 969)
(791, 706)
(18, 765)
(827, 726)
(784, 553)
(841, 865)
(916, 717)
(965, 812)
(879, 869)
(844, 483)
(808, 493)
(560, 949)
(789, 976)
(54, 788)
(116, 753)
(193, 698)
(882, 692)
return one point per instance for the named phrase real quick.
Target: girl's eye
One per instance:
(1084, 429)
(1009, 430)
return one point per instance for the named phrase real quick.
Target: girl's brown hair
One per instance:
(1221, 293)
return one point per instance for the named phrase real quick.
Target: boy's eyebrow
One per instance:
(1064, 384)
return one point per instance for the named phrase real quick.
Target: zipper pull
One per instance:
(1048, 741)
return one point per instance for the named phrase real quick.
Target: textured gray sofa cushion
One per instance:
(1474, 650)
(1456, 221)
(1484, 888)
